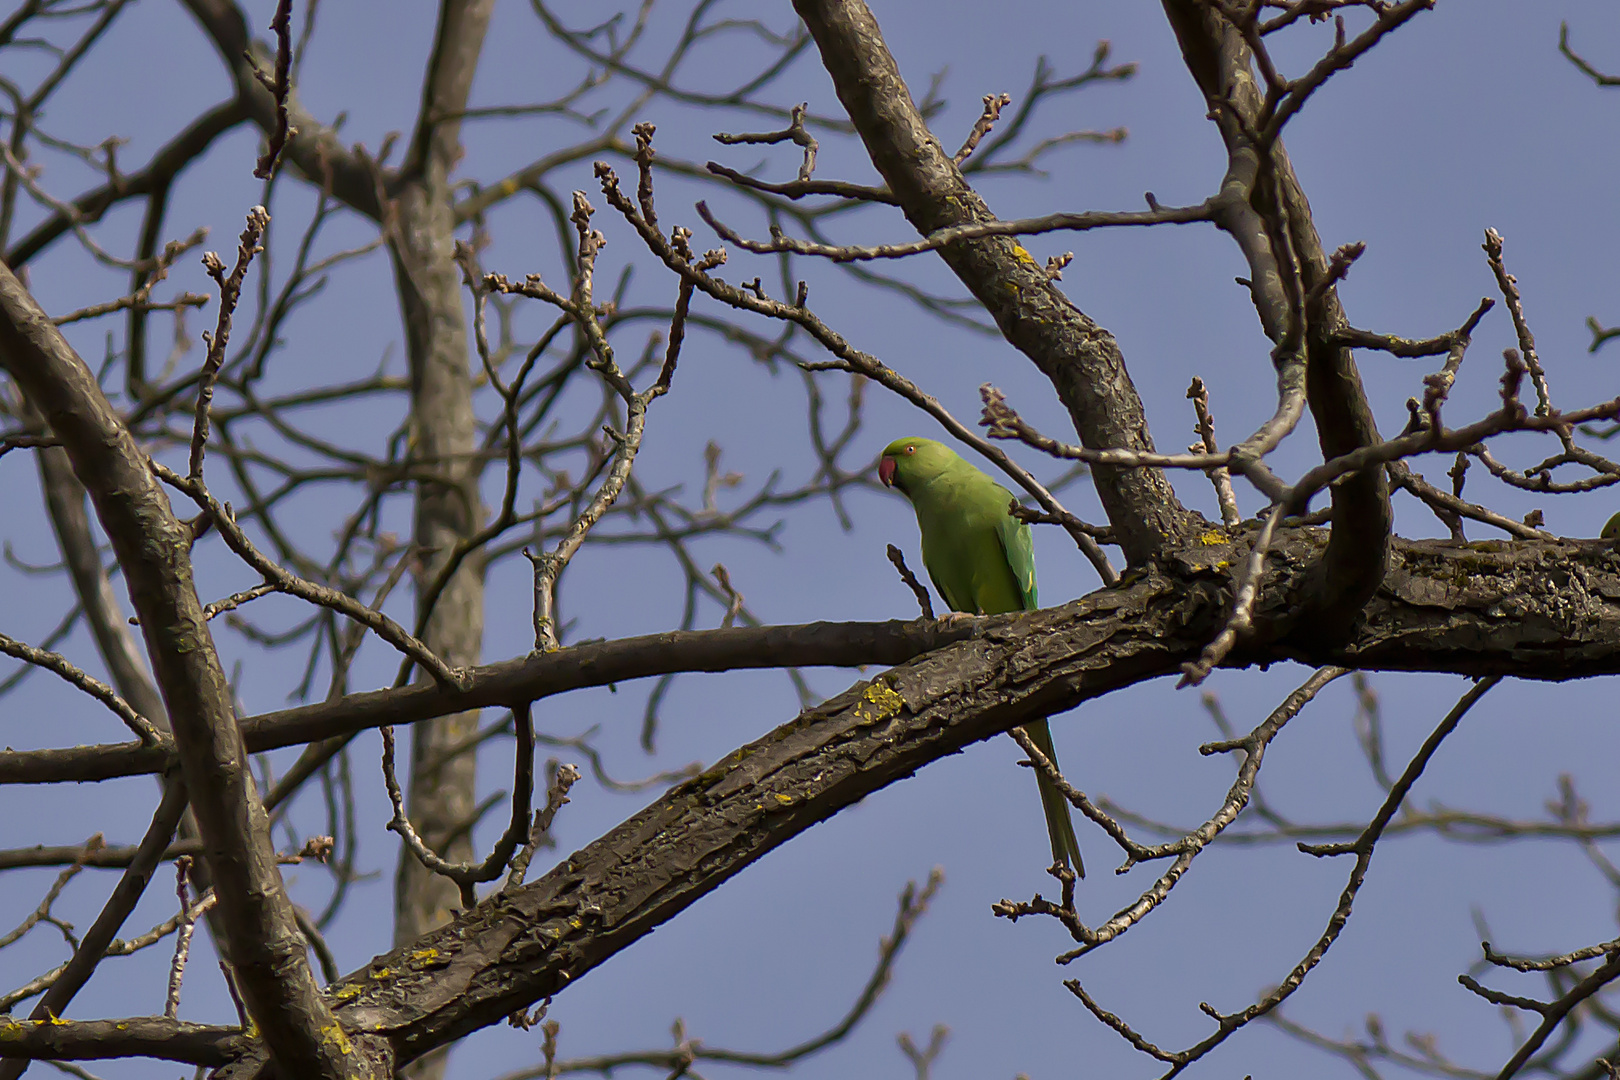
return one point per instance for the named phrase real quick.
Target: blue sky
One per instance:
(1466, 119)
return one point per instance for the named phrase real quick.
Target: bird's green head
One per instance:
(909, 462)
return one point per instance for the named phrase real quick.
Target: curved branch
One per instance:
(165, 165)
(1081, 358)
(315, 149)
(1291, 280)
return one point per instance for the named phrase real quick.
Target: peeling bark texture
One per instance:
(444, 435)
(1221, 64)
(154, 550)
(1545, 610)
(1081, 358)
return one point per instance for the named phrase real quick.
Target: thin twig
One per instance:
(230, 290)
(280, 87)
(795, 132)
(924, 601)
(1219, 476)
(563, 778)
(993, 104)
(182, 941)
(467, 875)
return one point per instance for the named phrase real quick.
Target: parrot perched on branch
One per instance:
(982, 562)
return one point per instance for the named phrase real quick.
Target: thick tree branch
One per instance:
(116, 642)
(65, 502)
(1440, 609)
(529, 678)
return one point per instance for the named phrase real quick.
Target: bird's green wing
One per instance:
(961, 552)
(939, 587)
(1019, 549)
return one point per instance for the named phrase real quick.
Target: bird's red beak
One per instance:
(886, 471)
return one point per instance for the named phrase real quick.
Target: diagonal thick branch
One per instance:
(1439, 609)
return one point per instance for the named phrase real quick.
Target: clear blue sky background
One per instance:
(1466, 119)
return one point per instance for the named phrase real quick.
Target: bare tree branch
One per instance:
(152, 547)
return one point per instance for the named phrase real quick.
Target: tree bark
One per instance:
(1540, 610)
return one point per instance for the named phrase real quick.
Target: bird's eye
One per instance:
(911, 449)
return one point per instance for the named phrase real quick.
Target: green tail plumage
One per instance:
(1059, 823)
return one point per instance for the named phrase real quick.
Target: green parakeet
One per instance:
(982, 562)
(1611, 531)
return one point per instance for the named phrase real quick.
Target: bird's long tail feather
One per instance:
(1059, 824)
